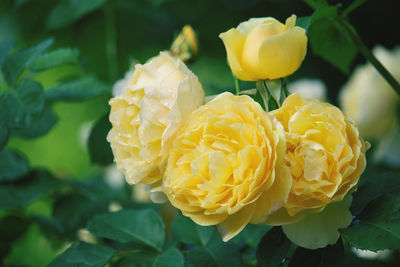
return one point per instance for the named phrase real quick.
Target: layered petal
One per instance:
(223, 165)
(152, 104)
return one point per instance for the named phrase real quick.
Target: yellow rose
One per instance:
(264, 48)
(326, 157)
(225, 166)
(155, 101)
(324, 153)
(369, 100)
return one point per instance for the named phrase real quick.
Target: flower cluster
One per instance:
(229, 162)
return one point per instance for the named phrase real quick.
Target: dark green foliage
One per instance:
(99, 148)
(330, 256)
(330, 39)
(12, 165)
(273, 248)
(83, 254)
(139, 226)
(15, 63)
(80, 89)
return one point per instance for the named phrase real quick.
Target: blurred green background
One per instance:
(112, 34)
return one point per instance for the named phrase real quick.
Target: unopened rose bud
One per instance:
(185, 45)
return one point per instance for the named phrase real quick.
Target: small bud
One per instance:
(185, 45)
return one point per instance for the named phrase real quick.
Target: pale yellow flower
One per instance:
(324, 153)
(225, 166)
(264, 48)
(369, 100)
(155, 101)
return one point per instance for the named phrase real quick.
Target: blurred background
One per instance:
(111, 35)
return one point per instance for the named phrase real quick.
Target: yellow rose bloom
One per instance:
(264, 48)
(225, 166)
(154, 102)
(324, 153)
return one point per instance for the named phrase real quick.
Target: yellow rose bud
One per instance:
(369, 100)
(185, 46)
(264, 48)
(155, 101)
(225, 166)
(324, 153)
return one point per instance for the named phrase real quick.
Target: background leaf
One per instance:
(15, 63)
(378, 226)
(330, 39)
(25, 190)
(79, 89)
(54, 58)
(99, 149)
(139, 226)
(83, 254)
(41, 124)
(69, 11)
(330, 256)
(171, 257)
(214, 253)
(22, 103)
(273, 248)
(12, 165)
(186, 231)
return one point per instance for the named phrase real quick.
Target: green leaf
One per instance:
(5, 47)
(374, 186)
(330, 256)
(139, 226)
(11, 228)
(99, 149)
(22, 103)
(82, 208)
(3, 132)
(171, 257)
(252, 234)
(12, 165)
(330, 39)
(79, 89)
(55, 58)
(14, 64)
(214, 253)
(25, 190)
(186, 231)
(273, 248)
(378, 227)
(83, 254)
(41, 124)
(137, 259)
(66, 12)
(304, 22)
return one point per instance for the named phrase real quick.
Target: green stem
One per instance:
(372, 59)
(111, 40)
(261, 88)
(353, 6)
(237, 84)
